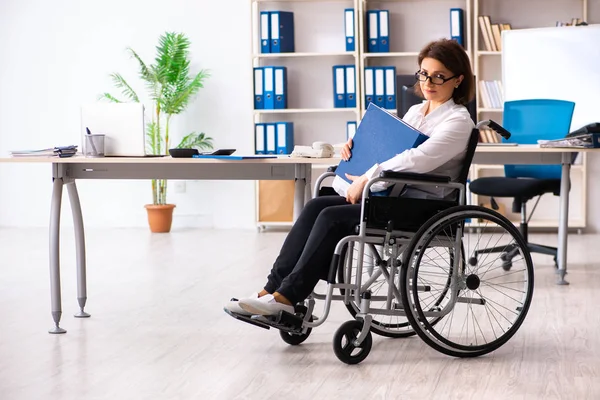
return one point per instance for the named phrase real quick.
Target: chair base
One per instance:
(509, 252)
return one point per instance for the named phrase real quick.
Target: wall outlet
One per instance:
(179, 187)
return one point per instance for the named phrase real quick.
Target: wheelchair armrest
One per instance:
(413, 176)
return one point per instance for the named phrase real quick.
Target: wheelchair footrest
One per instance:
(248, 319)
(283, 321)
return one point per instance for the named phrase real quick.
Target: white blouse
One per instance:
(449, 128)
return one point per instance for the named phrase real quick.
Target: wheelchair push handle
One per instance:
(496, 127)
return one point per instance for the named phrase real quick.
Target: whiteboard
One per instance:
(554, 63)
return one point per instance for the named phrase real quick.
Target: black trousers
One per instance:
(305, 256)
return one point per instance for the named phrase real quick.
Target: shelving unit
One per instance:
(319, 44)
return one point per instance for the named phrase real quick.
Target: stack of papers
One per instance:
(61, 151)
(587, 140)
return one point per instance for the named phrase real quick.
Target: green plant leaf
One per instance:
(196, 141)
(110, 97)
(122, 84)
(181, 98)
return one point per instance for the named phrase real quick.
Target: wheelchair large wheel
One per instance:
(395, 325)
(483, 306)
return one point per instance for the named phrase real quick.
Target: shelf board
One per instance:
(395, 54)
(299, 55)
(498, 110)
(305, 110)
(489, 53)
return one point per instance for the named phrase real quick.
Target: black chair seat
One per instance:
(521, 188)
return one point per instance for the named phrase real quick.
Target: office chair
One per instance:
(528, 121)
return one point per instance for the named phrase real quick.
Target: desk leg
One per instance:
(299, 189)
(563, 219)
(79, 249)
(57, 188)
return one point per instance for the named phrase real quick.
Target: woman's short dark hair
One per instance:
(454, 57)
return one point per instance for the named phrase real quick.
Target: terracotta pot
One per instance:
(160, 217)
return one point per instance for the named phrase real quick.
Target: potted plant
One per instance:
(171, 88)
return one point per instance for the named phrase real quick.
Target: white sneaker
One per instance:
(265, 305)
(234, 307)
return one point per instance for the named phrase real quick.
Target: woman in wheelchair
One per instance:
(446, 82)
(415, 265)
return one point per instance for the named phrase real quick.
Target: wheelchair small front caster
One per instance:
(297, 338)
(343, 343)
(294, 339)
(506, 262)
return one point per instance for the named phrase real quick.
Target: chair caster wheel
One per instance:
(506, 262)
(343, 343)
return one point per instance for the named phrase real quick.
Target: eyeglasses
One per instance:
(436, 80)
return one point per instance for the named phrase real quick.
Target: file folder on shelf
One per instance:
(259, 138)
(269, 90)
(457, 25)
(282, 32)
(280, 87)
(379, 137)
(339, 86)
(270, 138)
(379, 87)
(350, 129)
(369, 85)
(265, 30)
(349, 27)
(259, 87)
(350, 86)
(390, 88)
(285, 137)
(373, 30)
(384, 32)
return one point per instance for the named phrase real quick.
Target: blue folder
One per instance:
(379, 137)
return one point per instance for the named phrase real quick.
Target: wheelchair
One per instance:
(413, 267)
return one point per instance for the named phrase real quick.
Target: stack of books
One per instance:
(491, 33)
(61, 151)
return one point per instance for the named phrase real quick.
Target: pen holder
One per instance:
(94, 145)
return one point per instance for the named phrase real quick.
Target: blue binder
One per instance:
(265, 31)
(269, 88)
(282, 32)
(280, 87)
(390, 88)
(379, 87)
(285, 137)
(349, 27)
(457, 30)
(369, 85)
(384, 32)
(379, 137)
(350, 129)
(350, 86)
(373, 31)
(339, 86)
(259, 88)
(259, 139)
(270, 138)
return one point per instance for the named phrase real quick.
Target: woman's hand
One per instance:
(354, 192)
(346, 153)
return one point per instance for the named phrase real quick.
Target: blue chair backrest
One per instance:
(531, 120)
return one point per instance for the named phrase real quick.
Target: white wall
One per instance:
(55, 55)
